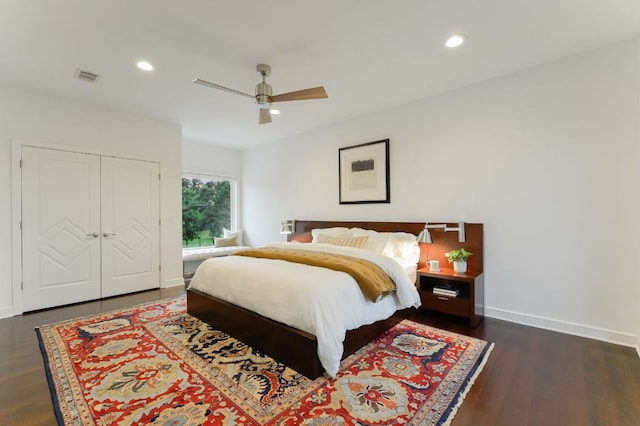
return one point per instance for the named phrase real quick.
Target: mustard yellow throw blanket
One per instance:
(373, 281)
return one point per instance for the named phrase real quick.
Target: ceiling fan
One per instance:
(264, 96)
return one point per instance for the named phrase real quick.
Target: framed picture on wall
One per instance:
(364, 173)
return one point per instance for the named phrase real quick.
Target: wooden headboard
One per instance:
(442, 241)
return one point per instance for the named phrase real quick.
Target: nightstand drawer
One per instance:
(450, 305)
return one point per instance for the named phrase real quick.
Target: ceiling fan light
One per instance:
(455, 40)
(274, 111)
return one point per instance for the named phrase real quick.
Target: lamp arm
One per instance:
(438, 226)
(460, 229)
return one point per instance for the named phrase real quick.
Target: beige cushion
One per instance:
(228, 234)
(225, 242)
(357, 242)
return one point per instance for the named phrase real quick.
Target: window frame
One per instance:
(233, 186)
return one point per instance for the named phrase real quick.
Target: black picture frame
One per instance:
(364, 173)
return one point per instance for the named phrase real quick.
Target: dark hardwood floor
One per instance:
(533, 376)
(24, 392)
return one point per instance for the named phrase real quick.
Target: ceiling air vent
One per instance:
(86, 76)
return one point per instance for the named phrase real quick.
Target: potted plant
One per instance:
(459, 259)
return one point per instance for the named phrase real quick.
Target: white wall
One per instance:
(212, 160)
(49, 120)
(205, 158)
(548, 159)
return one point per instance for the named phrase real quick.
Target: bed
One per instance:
(265, 302)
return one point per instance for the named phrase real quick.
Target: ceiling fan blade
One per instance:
(265, 116)
(301, 95)
(217, 86)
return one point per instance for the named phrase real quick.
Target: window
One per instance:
(208, 205)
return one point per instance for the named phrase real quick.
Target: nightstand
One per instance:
(469, 301)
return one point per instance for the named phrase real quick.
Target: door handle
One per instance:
(106, 234)
(94, 235)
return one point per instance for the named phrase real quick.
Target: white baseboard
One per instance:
(610, 336)
(9, 311)
(172, 283)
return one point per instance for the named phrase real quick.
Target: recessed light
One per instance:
(145, 66)
(274, 111)
(455, 40)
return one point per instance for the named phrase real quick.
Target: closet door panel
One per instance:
(60, 227)
(130, 226)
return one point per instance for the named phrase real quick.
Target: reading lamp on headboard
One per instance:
(425, 236)
(286, 227)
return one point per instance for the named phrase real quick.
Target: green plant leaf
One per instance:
(458, 255)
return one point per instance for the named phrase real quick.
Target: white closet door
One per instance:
(60, 227)
(130, 226)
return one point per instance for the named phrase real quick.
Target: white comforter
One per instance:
(320, 301)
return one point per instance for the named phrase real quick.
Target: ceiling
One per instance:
(369, 55)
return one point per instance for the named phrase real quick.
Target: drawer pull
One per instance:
(443, 298)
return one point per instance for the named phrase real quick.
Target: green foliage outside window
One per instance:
(206, 209)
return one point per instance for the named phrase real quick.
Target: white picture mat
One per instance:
(366, 185)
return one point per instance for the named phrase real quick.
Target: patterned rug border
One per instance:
(114, 311)
(441, 415)
(455, 405)
(50, 381)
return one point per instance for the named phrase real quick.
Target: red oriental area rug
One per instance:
(155, 364)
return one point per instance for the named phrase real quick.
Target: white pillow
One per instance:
(403, 247)
(377, 240)
(332, 232)
(230, 234)
(400, 246)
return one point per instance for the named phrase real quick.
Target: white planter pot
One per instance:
(460, 267)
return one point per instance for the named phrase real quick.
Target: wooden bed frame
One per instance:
(292, 347)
